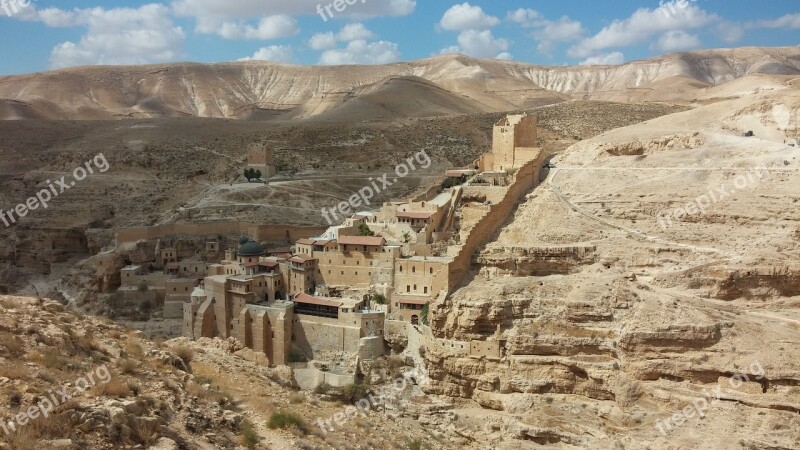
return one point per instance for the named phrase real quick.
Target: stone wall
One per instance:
(270, 233)
(526, 178)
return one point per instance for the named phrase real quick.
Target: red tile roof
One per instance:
(251, 265)
(361, 240)
(305, 241)
(301, 258)
(415, 215)
(311, 300)
(412, 299)
(268, 263)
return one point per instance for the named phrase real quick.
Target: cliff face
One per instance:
(609, 324)
(456, 84)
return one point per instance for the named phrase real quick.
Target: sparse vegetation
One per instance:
(185, 353)
(284, 420)
(363, 230)
(250, 438)
(379, 298)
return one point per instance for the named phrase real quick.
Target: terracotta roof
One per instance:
(305, 241)
(250, 265)
(361, 240)
(311, 300)
(322, 241)
(268, 263)
(301, 258)
(415, 215)
(412, 299)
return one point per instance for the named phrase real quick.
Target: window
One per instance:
(431, 269)
(413, 269)
(415, 288)
(425, 289)
(408, 288)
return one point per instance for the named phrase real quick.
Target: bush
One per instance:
(297, 397)
(379, 298)
(185, 353)
(284, 420)
(249, 436)
(414, 444)
(353, 393)
(115, 388)
(12, 343)
(128, 367)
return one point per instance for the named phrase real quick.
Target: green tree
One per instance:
(248, 173)
(379, 298)
(423, 315)
(364, 230)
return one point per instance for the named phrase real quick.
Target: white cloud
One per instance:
(547, 32)
(362, 52)
(604, 59)
(643, 24)
(277, 53)
(322, 41)
(467, 17)
(788, 21)
(114, 36)
(270, 27)
(348, 33)
(354, 32)
(212, 13)
(672, 41)
(525, 17)
(480, 44)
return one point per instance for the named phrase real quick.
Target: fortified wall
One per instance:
(271, 233)
(525, 179)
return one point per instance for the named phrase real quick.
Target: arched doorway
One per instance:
(415, 320)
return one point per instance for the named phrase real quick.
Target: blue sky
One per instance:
(40, 35)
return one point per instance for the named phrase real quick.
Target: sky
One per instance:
(40, 35)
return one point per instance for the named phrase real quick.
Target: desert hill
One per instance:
(258, 89)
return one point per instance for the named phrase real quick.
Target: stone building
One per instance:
(245, 296)
(513, 144)
(260, 157)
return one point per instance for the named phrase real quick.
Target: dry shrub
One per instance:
(146, 431)
(297, 397)
(134, 349)
(128, 367)
(185, 353)
(12, 344)
(14, 371)
(115, 388)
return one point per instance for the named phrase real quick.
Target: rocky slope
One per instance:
(459, 84)
(612, 319)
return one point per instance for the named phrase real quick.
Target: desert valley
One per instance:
(451, 252)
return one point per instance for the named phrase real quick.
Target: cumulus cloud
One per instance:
(354, 32)
(348, 33)
(467, 17)
(789, 21)
(114, 36)
(604, 59)
(547, 33)
(276, 53)
(480, 44)
(211, 13)
(362, 52)
(642, 25)
(270, 27)
(322, 41)
(672, 41)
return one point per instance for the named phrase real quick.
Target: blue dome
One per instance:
(251, 248)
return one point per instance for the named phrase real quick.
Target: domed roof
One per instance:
(251, 248)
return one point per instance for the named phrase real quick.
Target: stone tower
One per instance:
(260, 157)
